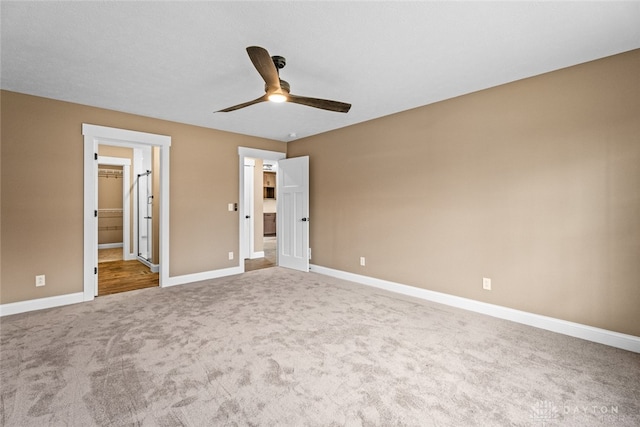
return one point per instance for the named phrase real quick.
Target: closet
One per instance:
(110, 225)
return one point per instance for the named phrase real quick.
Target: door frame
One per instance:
(95, 135)
(254, 153)
(247, 209)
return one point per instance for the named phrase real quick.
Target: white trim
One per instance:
(589, 333)
(153, 267)
(94, 135)
(254, 153)
(260, 154)
(255, 255)
(138, 168)
(249, 238)
(205, 275)
(78, 297)
(110, 245)
(40, 303)
(114, 161)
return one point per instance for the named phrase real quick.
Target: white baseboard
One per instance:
(60, 300)
(257, 255)
(40, 303)
(110, 245)
(206, 275)
(589, 333)
(154, 267)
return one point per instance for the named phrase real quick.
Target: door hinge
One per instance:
(95, 213)
(95, 156)
(95, 270)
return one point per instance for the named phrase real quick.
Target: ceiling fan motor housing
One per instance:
(279, 61)
(284, 85)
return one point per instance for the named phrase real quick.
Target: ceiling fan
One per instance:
(277, 90)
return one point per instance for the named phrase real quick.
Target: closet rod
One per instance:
(115, 173)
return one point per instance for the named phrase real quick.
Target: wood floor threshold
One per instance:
(123, 276)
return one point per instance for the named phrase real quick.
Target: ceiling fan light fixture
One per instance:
(277, 97)
(278, 90)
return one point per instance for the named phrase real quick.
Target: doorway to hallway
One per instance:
(292, 243)
(259, 213)
(269, 246)
(256, 195)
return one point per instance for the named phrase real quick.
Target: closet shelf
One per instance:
(109, 173)
(110, 228)
(109, 213)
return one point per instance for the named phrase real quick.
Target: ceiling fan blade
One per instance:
(246, 104)
(265, 66)
(325, 104)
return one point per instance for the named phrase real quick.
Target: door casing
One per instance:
(93, 136)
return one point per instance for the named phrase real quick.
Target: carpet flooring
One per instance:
(276, 347)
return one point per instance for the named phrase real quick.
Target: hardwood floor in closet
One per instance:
(122, 276)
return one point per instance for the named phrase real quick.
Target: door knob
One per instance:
(247, 216)
(305, 219)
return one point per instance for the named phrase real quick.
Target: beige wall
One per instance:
(535, 184)
(42, 211)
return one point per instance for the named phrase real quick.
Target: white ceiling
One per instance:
(182, 61)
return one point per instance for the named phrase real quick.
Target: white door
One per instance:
(293, 213)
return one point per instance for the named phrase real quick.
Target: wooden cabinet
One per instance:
(269, 185)
(269, 224)
(269, 179)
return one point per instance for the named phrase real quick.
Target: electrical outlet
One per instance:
(230, 256)
(362, 261)
(486, 283)
(40, 280)
(230, 207)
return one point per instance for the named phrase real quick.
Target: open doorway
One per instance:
(126, 226)
(258, 200)
(260, 213)
(94, 136)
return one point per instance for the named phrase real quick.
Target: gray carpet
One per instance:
(276, 347)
